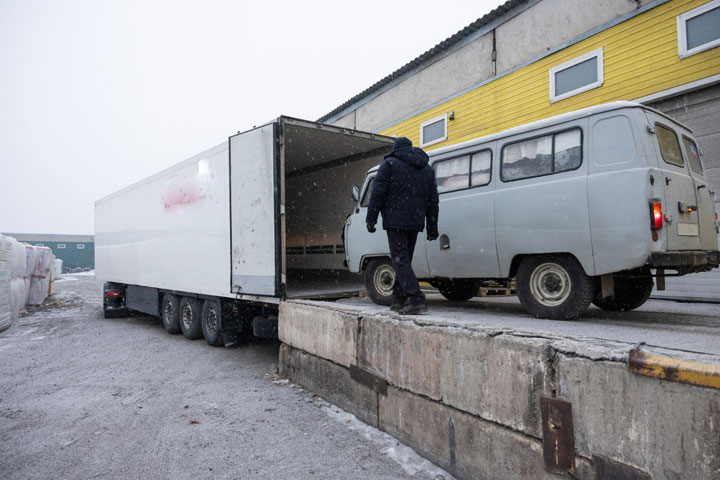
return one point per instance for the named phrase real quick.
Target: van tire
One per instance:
(190, 318)
(554, 286)
(458, 289)
(211, 321)
(170, 314)
(630, 293)
(379, 277)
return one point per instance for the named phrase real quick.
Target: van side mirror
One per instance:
(355, 193)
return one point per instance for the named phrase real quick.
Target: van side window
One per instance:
(453, 174)
(368, 191)
(693, 155)
(669, 145)
(480, 165)
(554, 153)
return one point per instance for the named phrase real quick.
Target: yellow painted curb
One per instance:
(674, 370)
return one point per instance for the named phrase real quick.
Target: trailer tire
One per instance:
(554, 286)
(630, 293)
(379, 277)
(190, 318)
(211, 321)
(458, 289)
(170, 314)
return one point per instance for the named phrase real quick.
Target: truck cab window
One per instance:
(368, 191)
(669, 145)
(453, 174)
(693, 155)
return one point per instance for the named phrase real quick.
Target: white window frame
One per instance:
(80, 246)
(582, 58)
(428, 122)
(682, 19)
(61, 246)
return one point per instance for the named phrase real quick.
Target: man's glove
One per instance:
(432, 235)
(371, 227)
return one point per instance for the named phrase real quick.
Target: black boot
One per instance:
(414, 309)
(397, 304)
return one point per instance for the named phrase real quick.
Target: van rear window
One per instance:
(669, 145)
(693, 155)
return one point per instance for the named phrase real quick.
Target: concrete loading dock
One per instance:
(471, 395)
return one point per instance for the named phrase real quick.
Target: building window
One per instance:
(61, 246)
(576, 76)
(699, 29)
(39, 245)
(80, 246)
(433, 131)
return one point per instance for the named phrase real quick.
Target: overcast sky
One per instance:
(97, 94)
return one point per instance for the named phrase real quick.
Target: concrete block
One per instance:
(329, 334)
(463, 444)
(670, 430)
(498, 378)
(331, 382)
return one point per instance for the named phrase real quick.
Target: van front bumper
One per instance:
(687, 262)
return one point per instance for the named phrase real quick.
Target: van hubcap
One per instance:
(550, 284)
(187, 316)
(384, 279)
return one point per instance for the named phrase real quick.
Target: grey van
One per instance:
(588, 206)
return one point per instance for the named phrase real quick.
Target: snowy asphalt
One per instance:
(83, 397)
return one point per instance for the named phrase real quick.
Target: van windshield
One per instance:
(693, 155)
(669, 145)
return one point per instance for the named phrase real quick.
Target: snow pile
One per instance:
(6, 260)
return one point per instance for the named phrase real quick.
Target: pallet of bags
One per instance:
(58, 268)
(5, 276)
(30, 264)
(17, 282)
(39, 282)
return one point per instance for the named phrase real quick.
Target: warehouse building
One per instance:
(532, 59)
(76, 251)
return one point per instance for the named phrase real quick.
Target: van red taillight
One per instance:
(112, 294)
(656, 215)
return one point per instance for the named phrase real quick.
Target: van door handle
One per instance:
(701, 186)
(668, 180)
(444, 242)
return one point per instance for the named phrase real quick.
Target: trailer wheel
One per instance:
(379, 276)
(211, 321)
(458, 289)
(190, 318)
(632, 289)
(554, 286)
(170, 314)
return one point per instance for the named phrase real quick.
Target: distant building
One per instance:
(76, 251)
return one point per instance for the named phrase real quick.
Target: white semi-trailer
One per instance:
(214, 243)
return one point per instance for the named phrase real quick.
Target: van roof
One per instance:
(548, 122)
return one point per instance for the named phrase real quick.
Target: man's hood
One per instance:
(413, 156)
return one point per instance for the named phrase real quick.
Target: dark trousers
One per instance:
(402, 248)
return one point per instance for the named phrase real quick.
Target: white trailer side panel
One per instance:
(171, 230)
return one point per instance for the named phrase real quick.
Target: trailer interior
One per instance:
(321, 163)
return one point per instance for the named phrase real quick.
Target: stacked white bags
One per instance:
(40, 280)
(5, 275)
(58, 268)
(30, 264)
(17, 283)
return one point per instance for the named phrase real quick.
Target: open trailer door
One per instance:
(254, 212)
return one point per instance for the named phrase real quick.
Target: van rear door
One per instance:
(680, 203)
(706, 209)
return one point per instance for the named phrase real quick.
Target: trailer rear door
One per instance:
(254, 212)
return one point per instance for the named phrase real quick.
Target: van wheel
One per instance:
(190, 318)
(211, 317)
(459, 289)
(632, 289)
(379, 276)
(170, 314)
(554, 287)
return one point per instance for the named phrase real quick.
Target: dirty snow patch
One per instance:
(89, 273)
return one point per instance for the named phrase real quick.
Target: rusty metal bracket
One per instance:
(607, 469)
(368, 379)
(558, 435)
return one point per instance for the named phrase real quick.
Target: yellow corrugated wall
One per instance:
(640, 58)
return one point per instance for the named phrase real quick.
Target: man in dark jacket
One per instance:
(406, 194)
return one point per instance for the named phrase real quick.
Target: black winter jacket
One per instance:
(405, 192)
